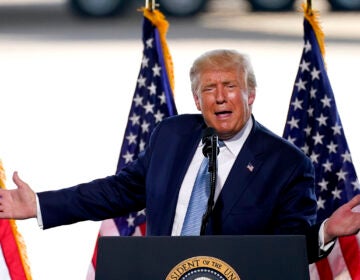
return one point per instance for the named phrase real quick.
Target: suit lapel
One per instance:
(183, 156)
(244, 170)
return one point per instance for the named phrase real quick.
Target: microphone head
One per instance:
(207, 133)
(207, 139)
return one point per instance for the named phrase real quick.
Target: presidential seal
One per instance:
(202, 268)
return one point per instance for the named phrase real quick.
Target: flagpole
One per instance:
(151, 6)
(309, 7)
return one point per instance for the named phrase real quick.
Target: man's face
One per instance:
(224, 101)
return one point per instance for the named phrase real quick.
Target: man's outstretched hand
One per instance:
(344, 221)
(18, 203)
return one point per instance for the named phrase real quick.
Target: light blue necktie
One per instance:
(198, 201)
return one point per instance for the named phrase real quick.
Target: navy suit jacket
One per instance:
(276, 196)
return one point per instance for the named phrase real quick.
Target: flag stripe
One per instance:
(10, 251)
(4, 272)
(324, 269)
(93, 259)
(336, 261)
(351, 253)
(142, 228)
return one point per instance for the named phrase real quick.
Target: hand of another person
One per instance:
(344, 221)
(18, 203)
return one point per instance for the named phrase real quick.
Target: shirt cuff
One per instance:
(38, 213)
(322, 246)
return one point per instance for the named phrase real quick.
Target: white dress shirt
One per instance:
(226, 159)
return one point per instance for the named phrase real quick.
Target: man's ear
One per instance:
(251, 96)
(197, 101)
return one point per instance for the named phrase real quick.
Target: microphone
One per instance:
(210, 150)
(210, 141)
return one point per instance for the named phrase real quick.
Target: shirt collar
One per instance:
(235, 143)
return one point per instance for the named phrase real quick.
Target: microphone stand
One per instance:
(213, 172)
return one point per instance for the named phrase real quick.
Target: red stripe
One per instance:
(324, 270)
(94, 257)
(351, 252)
(11, 251)
(143, 228)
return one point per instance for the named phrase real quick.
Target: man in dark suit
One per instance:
(265, 184)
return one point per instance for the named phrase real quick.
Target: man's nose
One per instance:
(220, 95)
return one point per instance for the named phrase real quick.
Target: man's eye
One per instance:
(207, 89)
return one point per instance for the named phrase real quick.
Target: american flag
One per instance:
(313, 124)
(152, 102)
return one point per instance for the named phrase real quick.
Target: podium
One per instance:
(202, 257)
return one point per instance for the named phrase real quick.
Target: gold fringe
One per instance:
(2, 176)
(313, 18)
(158, 19)
(17, 236)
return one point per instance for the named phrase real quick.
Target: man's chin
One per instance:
(224, 134)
